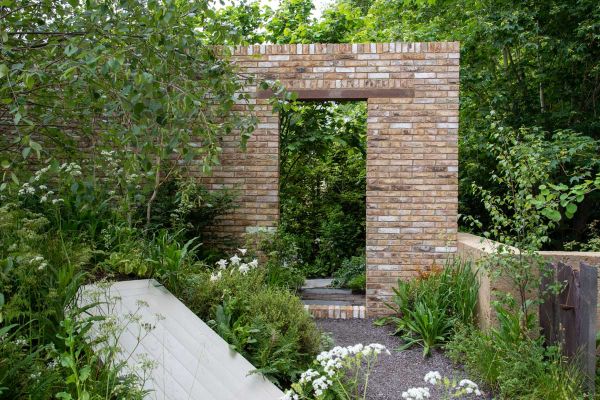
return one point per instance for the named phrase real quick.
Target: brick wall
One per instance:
(412, 155)
(477, 249)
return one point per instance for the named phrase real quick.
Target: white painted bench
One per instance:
(192, 361)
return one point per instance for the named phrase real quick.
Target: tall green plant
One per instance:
(523, 213)
(427, 308)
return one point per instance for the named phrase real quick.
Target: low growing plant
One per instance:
(341, 373)
(450, 388)
(515, 366)
(351, 274)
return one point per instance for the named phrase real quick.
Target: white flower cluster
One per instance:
(236, 263)
(333, 362)
(453, 389)
(40, 261)
(290, 395)
(470, 387)
(417, 393)
(72, 169)
(32, 187)
(432, 377)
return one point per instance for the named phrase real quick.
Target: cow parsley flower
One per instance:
(417, 393)
(243, 251)
(290, 395)
(308, 375)
(253, 263)
(470, 387)
(235, 260)
(432, 377)
(222, 263)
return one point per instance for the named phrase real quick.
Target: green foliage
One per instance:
(44, 351)
(593, 243)
(351, 274)
(428, 307)
(323, 180)
(515, 367)
(268, 325)
(283, 264)
(289, 22)
(358, 283)
(244, 21)
(98, 73)
(182, 204)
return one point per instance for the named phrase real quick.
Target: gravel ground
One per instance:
(394, 373)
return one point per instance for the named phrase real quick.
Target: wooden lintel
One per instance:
(344, 94)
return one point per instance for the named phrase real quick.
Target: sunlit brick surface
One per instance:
(412, 160)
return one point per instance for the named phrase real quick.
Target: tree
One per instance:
(139, 75)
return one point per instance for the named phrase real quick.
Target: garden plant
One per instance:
(110, 110)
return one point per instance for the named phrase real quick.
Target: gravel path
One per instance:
(394, 373)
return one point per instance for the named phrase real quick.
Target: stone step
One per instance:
(317, 283)
(346, 298)
(326, 291)
(328, 302)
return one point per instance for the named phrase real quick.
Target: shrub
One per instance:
(429, 306)
(358, 283)
(351, 274)
(515, 367)
(284, 264)
(268, 325)
(185, 206)
(44, 353)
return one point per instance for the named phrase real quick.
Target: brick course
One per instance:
(412, 152)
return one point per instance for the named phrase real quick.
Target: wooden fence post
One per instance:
(569, 317)
(588, 305)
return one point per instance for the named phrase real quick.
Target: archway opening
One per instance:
(322, 192)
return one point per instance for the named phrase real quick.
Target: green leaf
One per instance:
(3, 70)
(571, 209)
(70, 49)
(5, 164)
(551, 214)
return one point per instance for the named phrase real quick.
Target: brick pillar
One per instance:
(412, 191)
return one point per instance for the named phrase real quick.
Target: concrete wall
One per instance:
(412, 154)
(477, 249)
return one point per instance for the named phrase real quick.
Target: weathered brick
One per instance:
(412, 152)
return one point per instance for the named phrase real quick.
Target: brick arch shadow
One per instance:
(411, 91)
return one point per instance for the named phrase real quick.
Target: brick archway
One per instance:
(412, 147)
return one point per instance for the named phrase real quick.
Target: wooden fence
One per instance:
(568, 318)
